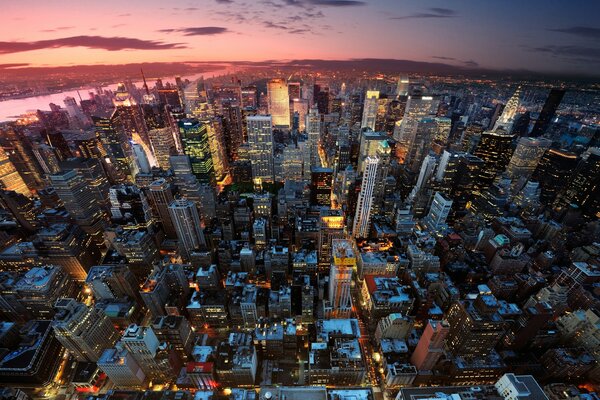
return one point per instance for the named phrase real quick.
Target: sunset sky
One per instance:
(539, 35)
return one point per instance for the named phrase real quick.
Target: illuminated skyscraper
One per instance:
(260, 141)
(216, 144)
(131, 117)
(553, 173)
(507, 119)
(163, 146)
(313, 130)
(141, 159)
(10, 178)
(526, 157)
(279, 102)
(362, 217)
(320, 186)
(370, 109)
(117, 145)
(331, 226)
(194, 137)
(340, 277)
(188, 226)
(548, 112)
(84, 331)
(495, 149)
(403, 86)
(417, 107)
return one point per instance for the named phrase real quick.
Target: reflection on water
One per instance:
(11, 109)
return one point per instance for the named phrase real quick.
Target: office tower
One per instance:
(402, 86)
(139, 249)
(584, 188)
(22, 208)
(331, 226)
(216, 144)
(340, 277)
(83, 330)
(427, 168)
(170, 97)
(141, 159)
(144, 347)
(176, 331)
(129, 207)
(10, 178)
(370, 108)
(80, 202)
(383, 154)
(196, 101)
(507, 119)
(19, 151)
(320, 186)
(155, 292)
(161, 196)
(431, 345)
(92, 171)
(321, 95)
(121, 368)
(417, 107)
(233, 133)
(279, 102)
(249, 97)
(77, 119)
(362, 217)
(163, 146)
(548, 112)
(495, 149)
(188, 226)
(300, 109)
(313, 130)
(117, 145)
(438, 212)
(226, 93)
(526, 157)
(260, 141)
(112, 282)
(475, 325)
(370, 145)
(553, 172)
(131, 117)
(194, 138)
(69, 246)
(294, 90)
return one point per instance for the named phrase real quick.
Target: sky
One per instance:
(558, 36)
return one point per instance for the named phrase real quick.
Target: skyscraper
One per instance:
(495, 149)
(188, 226)
(438, 212)
(194, 138)
(161, 196)
(548, 111)
(417, 107)
(370, 109)
(80, 202)
(260, 141)
(320, 186)
(553, 172)
(526, 157)
(313, 130)
(340, 277)
(163, 146)
(279, 102)
(84, 331)
(507, 119)
(10, 178)
(362, 217)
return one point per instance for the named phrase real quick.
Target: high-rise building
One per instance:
(584, 188)
(84, 331)
(10, 178)
(313, 130)
(548, 112)
(80, 202)
(526, 157)
(331, 226)
(417, 107)
(495, 149)
(402, 86)
(188, 226)
(112, 282)
(438, 212)
(194, 138)
(553, 172)
(343, 260)
(320, 186)
(279, 102)
(141, 158)
(364, 204)
(121, 368)
(161, 196)
(129, 207)
(117, 145)
(507, 119)
(371, 105)
(431, 345)
(163, 145)
(260, 140)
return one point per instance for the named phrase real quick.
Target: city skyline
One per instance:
(538, 36)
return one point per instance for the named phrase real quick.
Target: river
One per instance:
(11, 109)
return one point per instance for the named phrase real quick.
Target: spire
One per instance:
(509, 113)
(145, 84)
